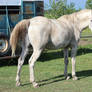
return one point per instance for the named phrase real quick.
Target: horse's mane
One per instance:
(73, 16)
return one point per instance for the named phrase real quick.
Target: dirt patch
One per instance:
(84, 42)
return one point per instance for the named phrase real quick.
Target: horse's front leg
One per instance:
(32, 61)
(66, 61)
(73, 54)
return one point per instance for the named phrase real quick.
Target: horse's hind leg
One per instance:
(32, 60)
(66, 61)
(20, 62)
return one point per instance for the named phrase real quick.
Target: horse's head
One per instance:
(90, 22)
(90, 25)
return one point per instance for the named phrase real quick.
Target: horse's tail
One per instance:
(18, 34)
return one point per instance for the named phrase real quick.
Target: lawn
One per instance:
(49, 73)
(87, 32)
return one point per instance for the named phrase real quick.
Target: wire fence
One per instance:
(86, 36)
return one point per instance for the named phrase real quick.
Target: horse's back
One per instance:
(42, 30)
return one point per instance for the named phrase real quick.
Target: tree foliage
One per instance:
(89, 4)
(59, 8)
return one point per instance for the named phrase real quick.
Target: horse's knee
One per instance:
(31, 65)
(66, 62)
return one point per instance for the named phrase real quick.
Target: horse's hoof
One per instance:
(75, 78)
(18, 84)
(35, 85)
(67, 77)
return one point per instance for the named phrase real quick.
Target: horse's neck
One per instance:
(83, 18)
(83, 24)
(75, 20)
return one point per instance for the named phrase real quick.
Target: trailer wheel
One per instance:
(4, 45)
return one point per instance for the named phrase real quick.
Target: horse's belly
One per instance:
(61, 45)
(61, 41)
(50, 46)
(57, 45)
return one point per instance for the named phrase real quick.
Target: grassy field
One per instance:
(87, 31)
(49, 73)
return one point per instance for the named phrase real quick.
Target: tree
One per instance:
(70, 8)
(89, 4)
(59, 8)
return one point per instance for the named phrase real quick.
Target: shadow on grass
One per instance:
(84, 51)
(51, 80)
(59, 54)
(48, 81)
(83, 74)
(46, 56)
(80, 74)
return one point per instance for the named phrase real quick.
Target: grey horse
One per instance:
(63, 32)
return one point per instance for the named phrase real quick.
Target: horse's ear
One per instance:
(90, 22)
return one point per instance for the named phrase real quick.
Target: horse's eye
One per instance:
(91, 20)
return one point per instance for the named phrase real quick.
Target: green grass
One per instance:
(49, 73)
(87, 31)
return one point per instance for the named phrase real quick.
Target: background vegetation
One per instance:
(58, 8)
